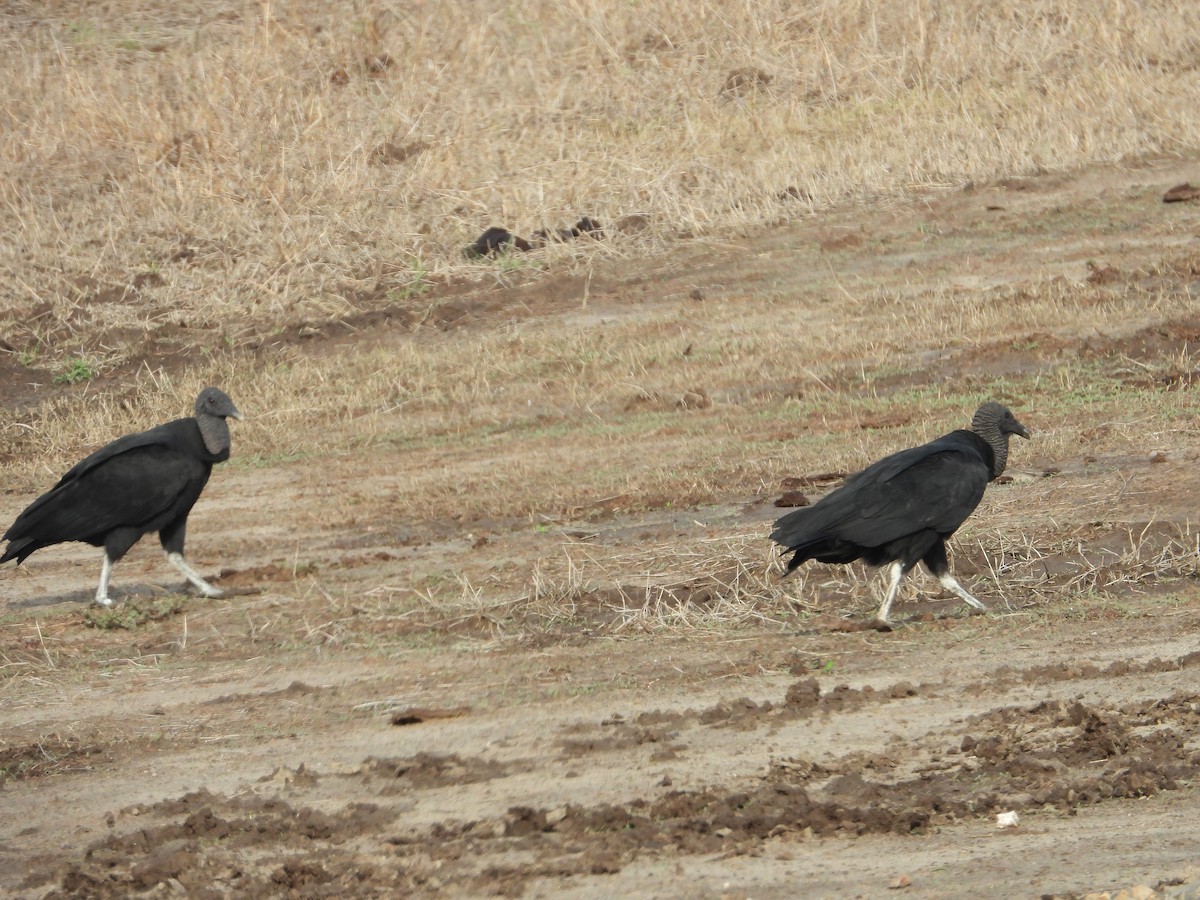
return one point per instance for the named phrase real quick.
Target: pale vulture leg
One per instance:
(177, 560)
(897, 570)
(951, 584)
(102, 598)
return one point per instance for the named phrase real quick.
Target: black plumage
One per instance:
(139, 484)
(902, 509)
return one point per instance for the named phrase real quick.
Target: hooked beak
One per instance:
(1020, 429)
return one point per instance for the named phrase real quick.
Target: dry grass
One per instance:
(597, 420)
(202, 176)
(718, 577)
(734, 581)
(487, 413)
(707, 582)
(206, 166)
(279, 162)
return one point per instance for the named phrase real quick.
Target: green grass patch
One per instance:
(132, 615)
(76, 370)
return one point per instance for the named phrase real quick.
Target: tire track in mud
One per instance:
(1049, 757)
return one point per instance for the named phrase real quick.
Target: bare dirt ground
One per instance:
(591, 703)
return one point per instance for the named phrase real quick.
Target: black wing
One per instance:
(937, 492)
(935, 486)
(135, 485)
(165, 435)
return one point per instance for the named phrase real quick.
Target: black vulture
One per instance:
(136, 485)
(902, 509)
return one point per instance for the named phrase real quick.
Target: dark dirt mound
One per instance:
(205, 843)
(1061, 754)
(431, 770)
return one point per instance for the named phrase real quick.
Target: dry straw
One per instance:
(206, 174)
(282, 161)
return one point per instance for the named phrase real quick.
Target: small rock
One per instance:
(745, 81)
(589, 226)
(1102, 274)
(556, 815)
(1180, 193)
(723, 832)
(697, 398)
(1189, 891)
(900, 881)
(1008, 819)
(493, 241)
(803, 694)
(792, 498)
(632, 224)
(1158, 457)
(379, 63)
(391, 152)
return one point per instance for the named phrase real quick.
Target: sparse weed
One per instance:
(133, 614)
(76, 370)
(417, 286)
(508, 263)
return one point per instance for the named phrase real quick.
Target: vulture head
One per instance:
(213, 407)
(994, 422)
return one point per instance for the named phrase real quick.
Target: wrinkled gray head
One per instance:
(994, 423)
(213, 406)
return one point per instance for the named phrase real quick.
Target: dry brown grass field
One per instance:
(501, 617)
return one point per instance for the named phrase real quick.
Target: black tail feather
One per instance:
(19, 549)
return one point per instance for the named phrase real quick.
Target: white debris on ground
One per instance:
(1008, 819)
